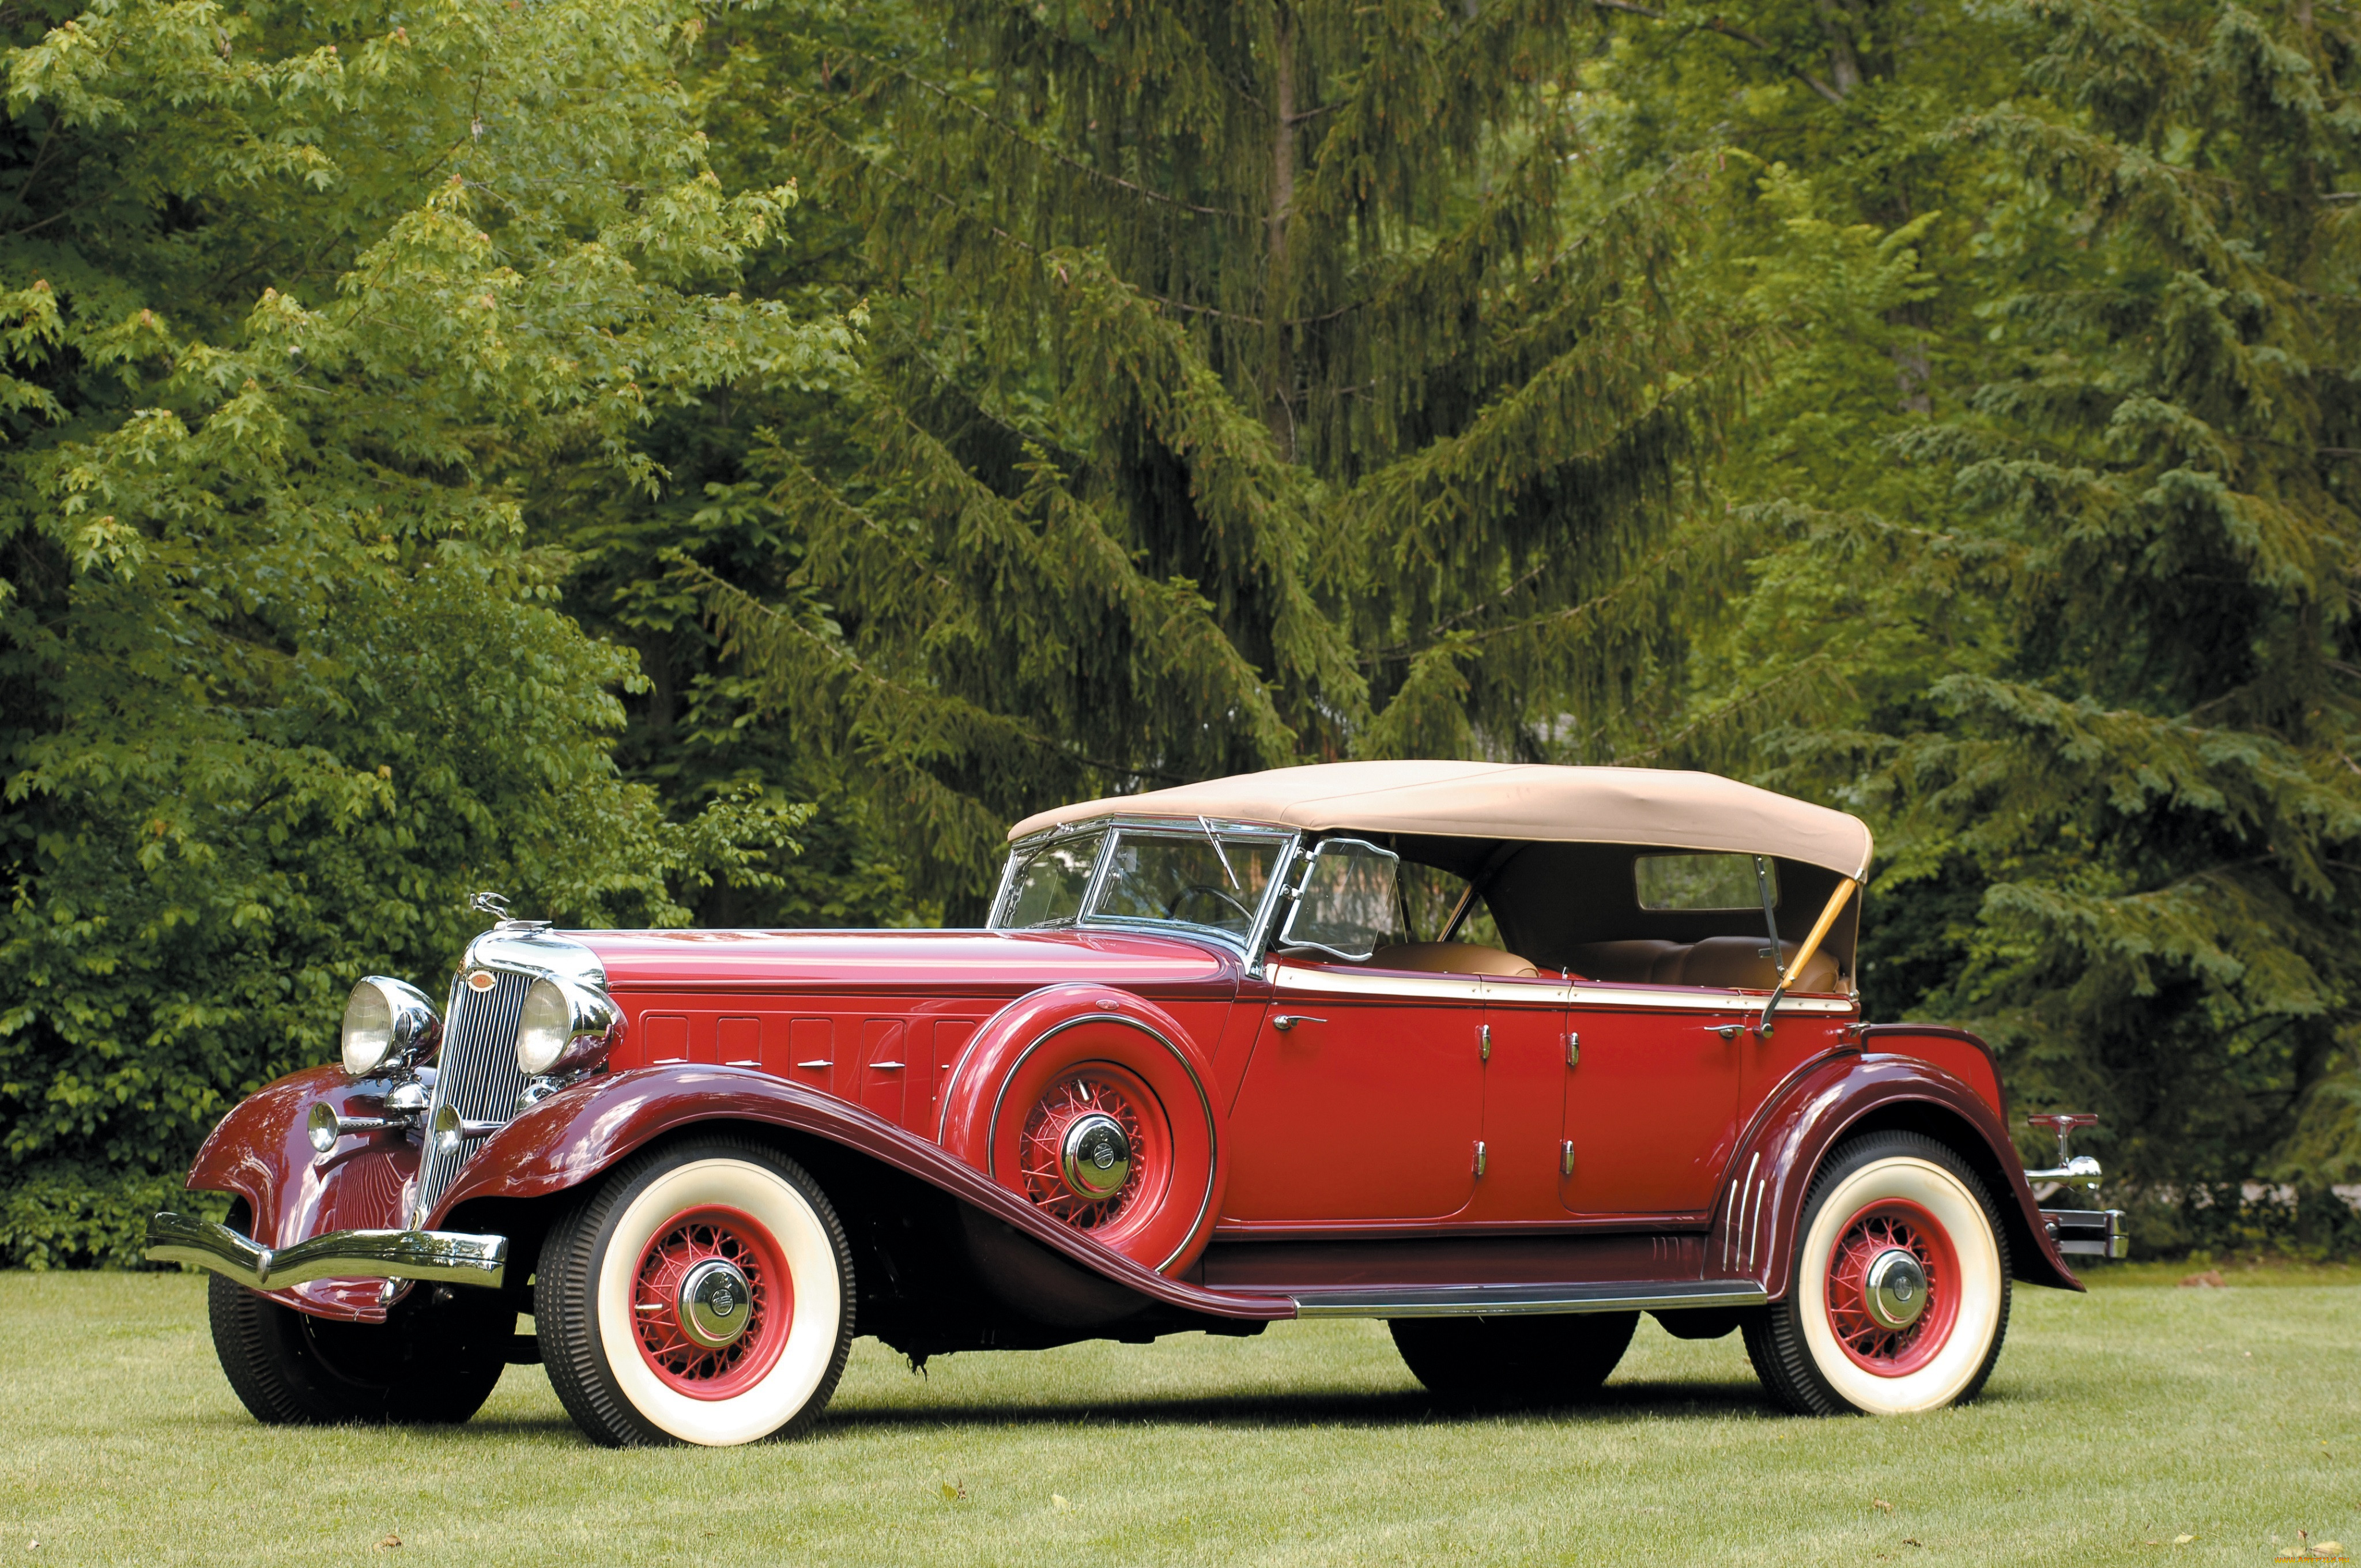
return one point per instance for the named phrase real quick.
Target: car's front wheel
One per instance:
(1554, 1359)
(703, 1294)
(433, 1361)
(1900, 1295)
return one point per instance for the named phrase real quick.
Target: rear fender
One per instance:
(1842, 1096)
(569, 1139)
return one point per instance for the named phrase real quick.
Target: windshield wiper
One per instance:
(1215, 839)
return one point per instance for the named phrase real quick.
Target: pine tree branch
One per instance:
(1016, 134)
(1716, 24)
(954, 206)
(728, 602)
(1401, 650)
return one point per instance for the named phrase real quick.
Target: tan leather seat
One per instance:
(1724, 964)
(1453, 958)
(1633, 962)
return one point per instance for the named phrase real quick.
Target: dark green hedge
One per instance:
(87, 1220)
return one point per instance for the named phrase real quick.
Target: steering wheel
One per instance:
(1207, 890)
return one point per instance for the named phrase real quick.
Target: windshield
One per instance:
(1184, 879)
(1177, 878)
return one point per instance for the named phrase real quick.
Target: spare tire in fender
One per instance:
(1090, 1103)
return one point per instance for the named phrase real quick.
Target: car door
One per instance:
(1525, 1072)
(1363, 1101)
(1652, 1096)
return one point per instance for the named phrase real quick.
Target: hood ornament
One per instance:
(495, 905)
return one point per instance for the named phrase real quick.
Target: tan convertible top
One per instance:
(1502, 800)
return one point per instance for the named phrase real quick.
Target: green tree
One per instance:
(2078, 605)
(304, 310)
(1243, 388)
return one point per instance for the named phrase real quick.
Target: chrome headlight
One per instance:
(389, 1025)
(566, 1027)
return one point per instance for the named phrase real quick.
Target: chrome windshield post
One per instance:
(1275, 899)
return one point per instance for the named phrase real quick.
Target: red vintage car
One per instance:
(1503, 1055)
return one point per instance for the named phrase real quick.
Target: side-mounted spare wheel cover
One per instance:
(1090, 1104)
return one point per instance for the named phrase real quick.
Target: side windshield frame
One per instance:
(1023, 850)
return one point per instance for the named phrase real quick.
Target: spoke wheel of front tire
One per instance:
(702, 1293)
(1554, 1359)
(1899, 1296)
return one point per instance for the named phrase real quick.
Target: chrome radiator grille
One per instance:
(477, 1077)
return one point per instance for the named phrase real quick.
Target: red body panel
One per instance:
(570, 1137)
(259, 1151)
(1845, 1090)
(1652, 1109)
(898, 963)
(1369, 1113)
(875, 1017)
(1346, 1144)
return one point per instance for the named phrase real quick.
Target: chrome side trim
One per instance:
(445, 1257)
(1754, 1236)
(1503, 1301)
(1576, 994)
(1743, 1193)
(1405, 987)
(1729, 1225)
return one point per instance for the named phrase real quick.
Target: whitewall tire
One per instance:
(703, 1294)
(1899, 1296)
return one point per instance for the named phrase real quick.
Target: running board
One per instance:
(1489, 1300)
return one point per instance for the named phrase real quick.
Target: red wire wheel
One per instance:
(1086, 1069)
(732, 1237)
(1095, 1090)
(1886, 1225)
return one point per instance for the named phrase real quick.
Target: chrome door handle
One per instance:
(1287, 1021)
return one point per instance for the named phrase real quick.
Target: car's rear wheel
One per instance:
(1899, 1296)
(703, 1294)
(1546, 1360)
(433, 1361)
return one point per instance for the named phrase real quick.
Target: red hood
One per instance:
(966, 961)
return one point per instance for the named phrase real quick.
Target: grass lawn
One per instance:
(2118, 1422)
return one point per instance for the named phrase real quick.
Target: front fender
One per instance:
(260, 1152)
(1759, 1213)
(572, 1137)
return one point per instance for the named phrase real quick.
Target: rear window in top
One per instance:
(1702, 881)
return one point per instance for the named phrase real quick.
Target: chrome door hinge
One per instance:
(1484, 1041)
(1565, 1158)
(1479, 1157)
(1574, 1050)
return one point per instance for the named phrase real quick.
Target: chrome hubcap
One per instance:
(714, 1296)
(1895, 1289)
(1096, 1158)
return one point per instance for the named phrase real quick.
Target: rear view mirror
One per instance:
(1346, 905)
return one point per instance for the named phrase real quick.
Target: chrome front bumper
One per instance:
(445, 1257)
(2089, 1233)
